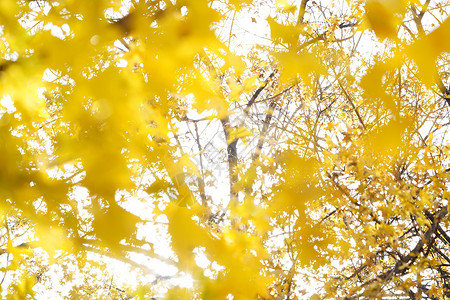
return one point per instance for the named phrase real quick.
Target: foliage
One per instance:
(158, 136)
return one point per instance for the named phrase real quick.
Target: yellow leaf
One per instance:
(304, 64)
(284, 34)
(381, 15)
(388, 139)
(433, 45)
(186, 234)
(113, 224)
(285, 6)
(239, 4)
(238, 133)
(52, 240)
(435, 291)
(314, 297)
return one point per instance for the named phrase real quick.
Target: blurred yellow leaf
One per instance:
(113, 224)
(304, 64)
(383, 16)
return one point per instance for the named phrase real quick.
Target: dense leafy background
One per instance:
(224, 149)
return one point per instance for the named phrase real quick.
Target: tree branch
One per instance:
(301, 12)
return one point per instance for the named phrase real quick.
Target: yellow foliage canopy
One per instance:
(139, 131)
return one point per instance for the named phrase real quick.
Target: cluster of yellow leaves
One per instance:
(110, 79)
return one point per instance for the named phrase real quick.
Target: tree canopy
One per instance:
(222, 149)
